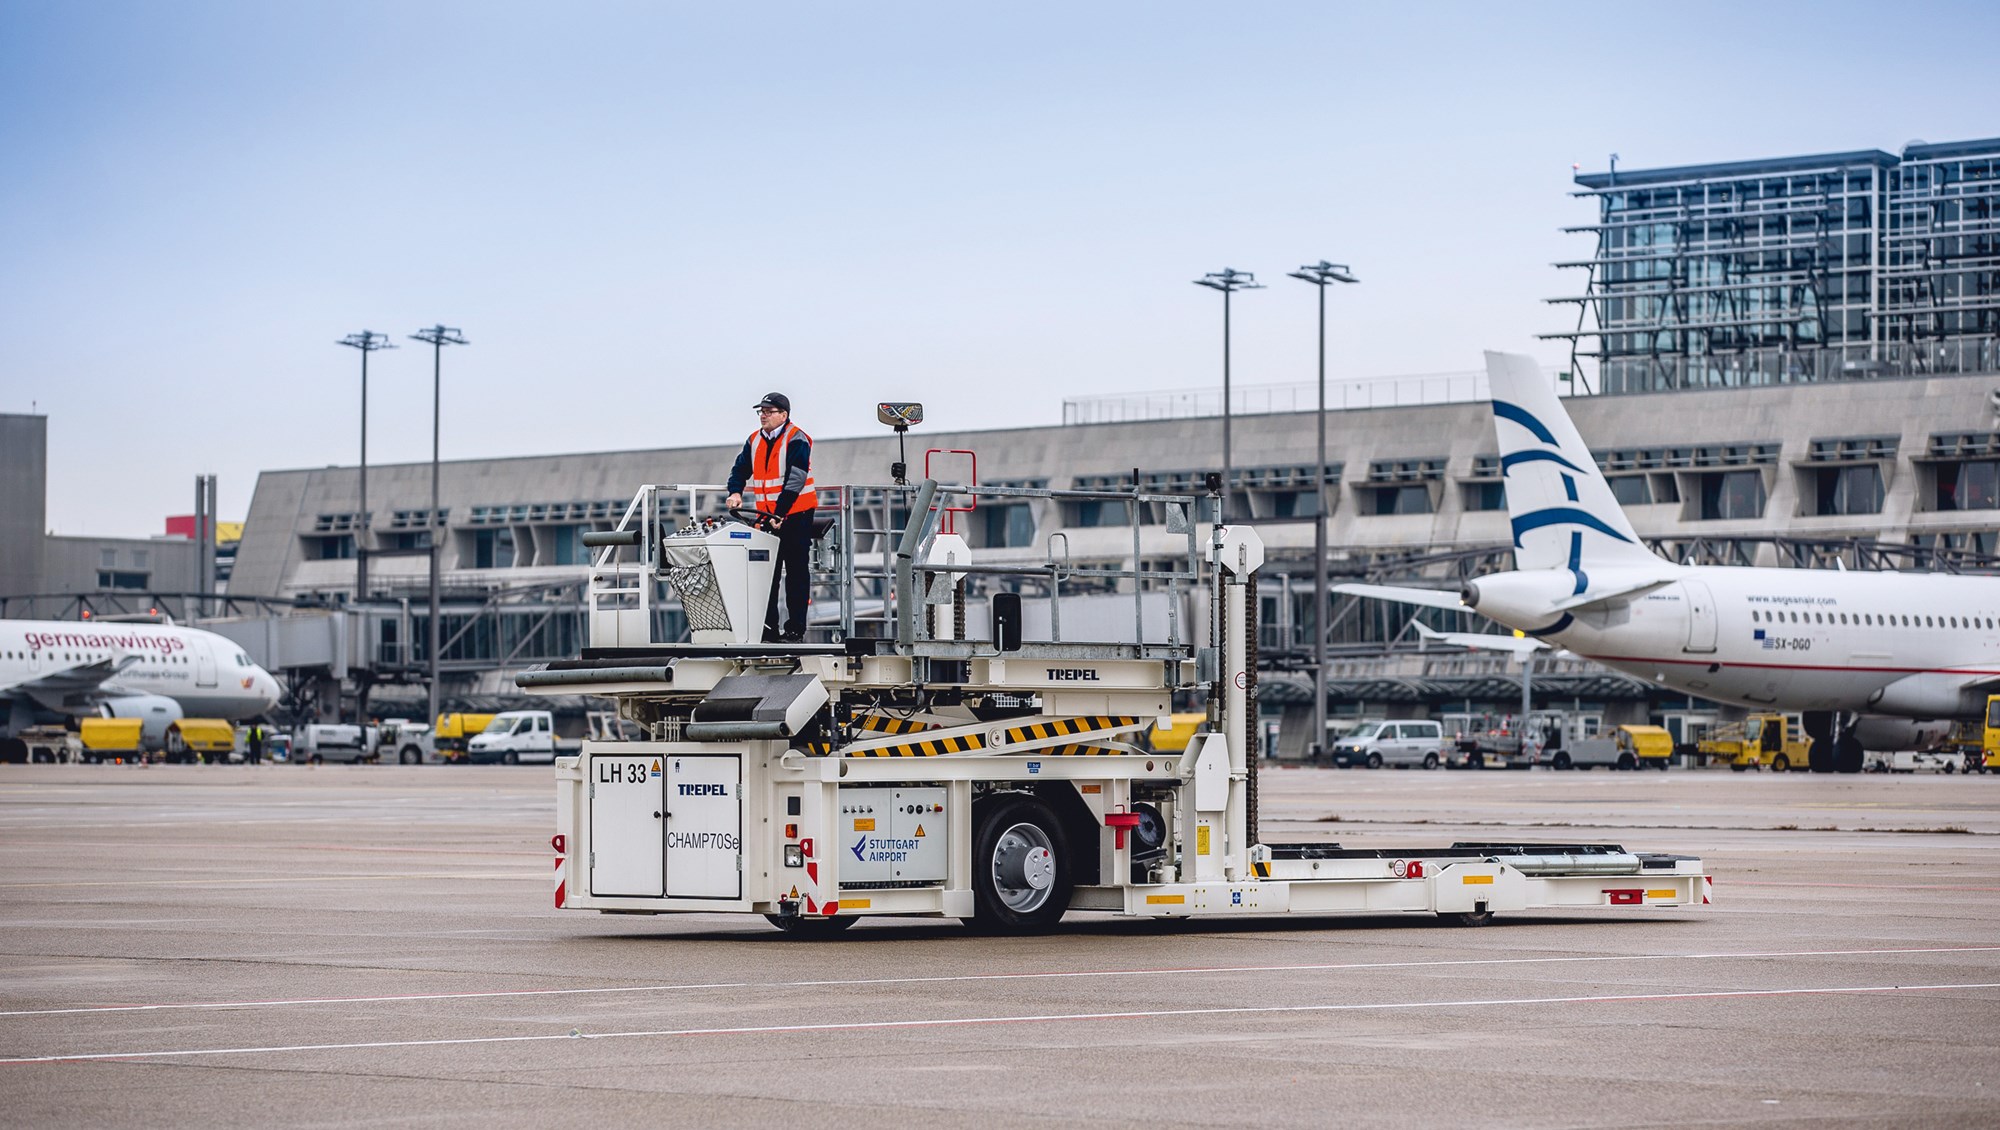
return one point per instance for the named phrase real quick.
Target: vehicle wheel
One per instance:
(799, 926)
(1625, 761)
(1020, 867)
(1430, 761)
(510, 758)
(1561, 761)
(1781, 764)
(1847, 752)
(1374, 761)
(411, 755)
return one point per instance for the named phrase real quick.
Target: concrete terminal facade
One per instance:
(1884, 473)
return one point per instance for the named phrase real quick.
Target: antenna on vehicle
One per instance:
(900, 415)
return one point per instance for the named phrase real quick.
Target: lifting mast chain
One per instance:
(1252, 730)
(1215, 599)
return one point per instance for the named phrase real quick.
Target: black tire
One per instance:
(1847, 752)
(510, 758)
(1021, 874)
(411, 755)
(1374, 761)
(1561, 760)
(1818, 726)
(1430, 761)
(807, 929)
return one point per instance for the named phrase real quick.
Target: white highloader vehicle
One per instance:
(909, 770)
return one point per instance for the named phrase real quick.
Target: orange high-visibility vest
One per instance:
(768, 464)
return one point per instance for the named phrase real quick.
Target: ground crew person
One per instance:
(776, 466)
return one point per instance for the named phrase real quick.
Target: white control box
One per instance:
(892, 835)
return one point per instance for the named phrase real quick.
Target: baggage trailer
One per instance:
(920, 772)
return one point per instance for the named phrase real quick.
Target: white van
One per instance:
(1407, 742)
(517, 737)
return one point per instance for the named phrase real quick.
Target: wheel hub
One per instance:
(1024, 867)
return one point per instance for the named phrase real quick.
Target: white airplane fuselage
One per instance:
(208, 675)
(1909, 645)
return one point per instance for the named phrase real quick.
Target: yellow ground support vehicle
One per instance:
(1651, 747)
(1776, 740)
(454, 731)
(1989, 761)
(200, 739)
(107, 738)
(1174, 738)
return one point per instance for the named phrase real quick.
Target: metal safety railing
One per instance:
(874, 573)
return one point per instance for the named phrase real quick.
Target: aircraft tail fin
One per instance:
(1563, 512)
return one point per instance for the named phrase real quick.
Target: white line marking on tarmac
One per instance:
(1032, 1018)
(537, 876)
(963, 977)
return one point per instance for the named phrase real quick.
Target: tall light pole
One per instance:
(437, 337)
(1228, 280)
(1320, 274)
(367, 341)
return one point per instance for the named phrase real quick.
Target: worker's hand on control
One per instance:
(732, 502)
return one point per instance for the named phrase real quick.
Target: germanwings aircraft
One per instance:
(147, 671)
(1832, 644)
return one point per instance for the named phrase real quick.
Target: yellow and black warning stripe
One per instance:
(1067, 727)
(962, 743)
(883, 724)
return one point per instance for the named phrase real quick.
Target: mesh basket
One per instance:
(692, 576)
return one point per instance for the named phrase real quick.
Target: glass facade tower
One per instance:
(1832, 267)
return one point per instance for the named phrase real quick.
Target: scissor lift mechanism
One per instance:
(1001, 780)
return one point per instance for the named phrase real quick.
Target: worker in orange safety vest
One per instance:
(776, 466)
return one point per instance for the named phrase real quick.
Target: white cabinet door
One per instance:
(627, 827)
(704, 826)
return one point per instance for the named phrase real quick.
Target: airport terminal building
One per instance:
(1790, 362)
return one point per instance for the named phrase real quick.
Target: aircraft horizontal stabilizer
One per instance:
(1481, 641)
(1429, 598)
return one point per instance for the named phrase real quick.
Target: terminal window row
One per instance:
(1849, 489)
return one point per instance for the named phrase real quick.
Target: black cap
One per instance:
(776, 400)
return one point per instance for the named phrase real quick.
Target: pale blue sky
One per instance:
(645, 215)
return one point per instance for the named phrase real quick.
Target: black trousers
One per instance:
(793, 574)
